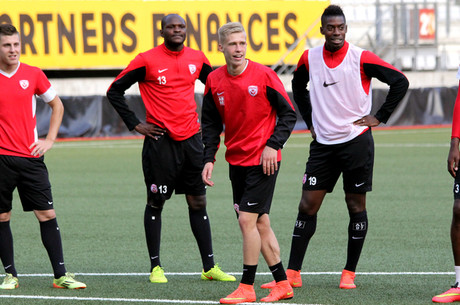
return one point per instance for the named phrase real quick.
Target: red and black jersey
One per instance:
(167, 86)
(370, 66)
(18, 124)
(248, 105)
(456, 116)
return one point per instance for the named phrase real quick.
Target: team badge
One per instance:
(24, 83)
(154, 188)
(220, 96)
(253, 90)
(192, 68)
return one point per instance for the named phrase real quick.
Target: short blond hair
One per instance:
(229, 28)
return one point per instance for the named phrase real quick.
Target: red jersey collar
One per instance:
(169, 52)
(333, 59)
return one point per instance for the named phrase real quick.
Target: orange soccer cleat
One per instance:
(281, 291)
(293, 276)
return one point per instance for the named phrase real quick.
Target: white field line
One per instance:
(239, 273)
(127, 300)
(170, 301)
(391, 145)
(132, 145)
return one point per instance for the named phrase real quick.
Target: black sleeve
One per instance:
(205, 70)
(211, 124)
(301, 94)
(286, 119)
(116, 95)
(398, 87)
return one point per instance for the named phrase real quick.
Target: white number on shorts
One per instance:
(163, 189)
(456, 188)
(312, 180)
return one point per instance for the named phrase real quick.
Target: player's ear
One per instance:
(220, 47)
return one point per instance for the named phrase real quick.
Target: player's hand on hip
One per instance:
(269, 160)
(150, 130)
(368, 120)
(454, 157)
(206, 174)
(40, 147)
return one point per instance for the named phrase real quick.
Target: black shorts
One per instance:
(30, 177)
(170, 165)
(252, 189)
(457, 186)
(354, 159)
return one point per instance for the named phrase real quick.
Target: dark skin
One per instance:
(173, 31)
(452, 167)
(334, 30)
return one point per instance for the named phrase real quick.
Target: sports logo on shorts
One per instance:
(24, 83)
(304, 179)
(154, 188)
(192, 68)
(253, 90)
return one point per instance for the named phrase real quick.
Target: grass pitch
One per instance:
(99, 197)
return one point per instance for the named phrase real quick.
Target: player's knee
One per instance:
(356, 203)
(306, 207)
(456, 211)
(156, 204)
(196, 202)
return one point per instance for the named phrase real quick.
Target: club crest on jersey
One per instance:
(253, 90)
(192, 68)
(154, 188)
(24, 83)
(221, 99)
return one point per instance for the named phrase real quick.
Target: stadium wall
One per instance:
(93, 116)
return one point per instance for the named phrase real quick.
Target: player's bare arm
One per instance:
(40, 147)
(368, 120)
(453, 157)
(269, 160)
(150, 130)
(206, 174)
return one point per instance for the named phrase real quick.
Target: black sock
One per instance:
(152, 226)
(201, 229)
(278, 272)
(51, 239)
(357, 230)
(6, 248)
(305, 227)
(249, 274)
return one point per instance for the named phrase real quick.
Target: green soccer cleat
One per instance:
(68, 281)
(216, 274)
(158, 275)
(10, 282)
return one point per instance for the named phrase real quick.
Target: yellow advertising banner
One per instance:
(107, 34)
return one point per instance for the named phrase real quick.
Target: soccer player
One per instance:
(336, 109)
(172, 155)
(453, 160)
(248, 98)
(21, 157)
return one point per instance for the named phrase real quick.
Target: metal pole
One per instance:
(378, 24)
